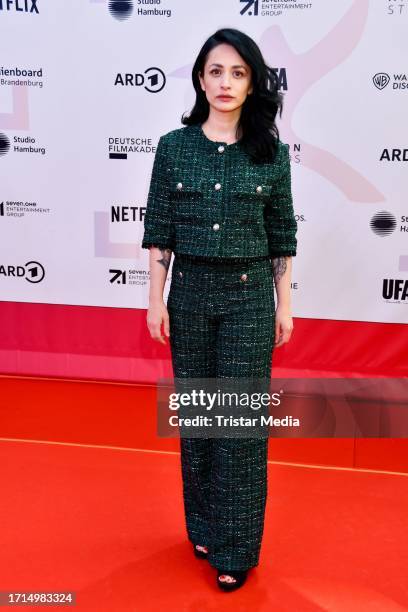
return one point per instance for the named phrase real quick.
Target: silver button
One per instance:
(244, 277)
(179, 185)
(180, 274)
(221, 149)
(259, 189)
(216, 226)
(217, 186)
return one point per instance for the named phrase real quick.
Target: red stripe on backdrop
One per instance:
(114, 344)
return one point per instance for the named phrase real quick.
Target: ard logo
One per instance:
(381, 80)
(250, 7)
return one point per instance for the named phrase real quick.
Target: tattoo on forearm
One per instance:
(166, 257)
(279, 266)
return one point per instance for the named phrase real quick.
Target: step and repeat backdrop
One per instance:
(87, 87)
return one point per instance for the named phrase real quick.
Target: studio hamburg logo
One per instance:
(120, 9)
(383, 223)
(4, 144)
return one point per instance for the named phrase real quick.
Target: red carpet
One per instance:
(108, 524)
(107, 521)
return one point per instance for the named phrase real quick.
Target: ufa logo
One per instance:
(381, 80)
(4, 144)
(251, 7)
(120, 9)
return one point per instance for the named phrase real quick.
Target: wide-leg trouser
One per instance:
(222, 320)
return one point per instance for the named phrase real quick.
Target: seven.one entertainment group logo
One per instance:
(129, 277)
(270, 8)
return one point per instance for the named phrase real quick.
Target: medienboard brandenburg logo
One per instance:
(4, 144)
(250, 7)
(383, 223)
(381, 80)
(120, 9)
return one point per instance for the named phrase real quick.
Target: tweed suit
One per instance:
(224, 218)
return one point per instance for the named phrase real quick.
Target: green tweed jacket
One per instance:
(209, 199)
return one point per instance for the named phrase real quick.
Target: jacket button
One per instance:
(244, 277)
(180, 274)
(216, 227)
(221, 149)
(259, 189)
(217, 186)
(179, 185)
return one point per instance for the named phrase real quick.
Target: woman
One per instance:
(220, 200)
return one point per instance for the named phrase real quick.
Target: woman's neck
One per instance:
(221, 130)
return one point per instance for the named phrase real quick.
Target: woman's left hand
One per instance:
(283, 326)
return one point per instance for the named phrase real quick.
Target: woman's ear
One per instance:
(201, 80)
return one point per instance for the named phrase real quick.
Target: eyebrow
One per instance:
(221, 66)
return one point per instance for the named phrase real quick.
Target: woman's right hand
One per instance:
(157, 314)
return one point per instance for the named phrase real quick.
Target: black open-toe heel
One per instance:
(239, 575)
(200, 553)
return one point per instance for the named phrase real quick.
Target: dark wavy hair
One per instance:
(257, 121)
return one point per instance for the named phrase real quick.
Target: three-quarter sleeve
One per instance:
(279, 217)
(158, 227)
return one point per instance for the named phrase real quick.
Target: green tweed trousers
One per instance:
(222, 325)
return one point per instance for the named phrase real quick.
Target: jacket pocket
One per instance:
(248, 202)
(186, 193)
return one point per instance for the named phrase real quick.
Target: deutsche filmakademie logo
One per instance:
(120, 9)
(4, 144)
(20, 6)
(119, 147)
(383, 223)
(152, 79)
